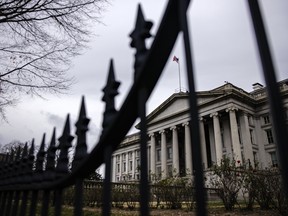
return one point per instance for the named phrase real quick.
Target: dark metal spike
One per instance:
(110, 91)
(65, 143)
(40, 155)
(40, 161)
(82, 128)
(25, 151)
(139, 35)
(50, 166)
(51, 153)
(82, 108)
(30, 164)
(32, 148)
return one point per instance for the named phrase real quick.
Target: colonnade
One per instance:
(238, 150)
(158, 141)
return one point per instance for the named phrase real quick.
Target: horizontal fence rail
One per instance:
(48, 178)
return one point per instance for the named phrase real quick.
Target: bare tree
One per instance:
(38, 38)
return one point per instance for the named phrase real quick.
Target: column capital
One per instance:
(151, 134)
(231, 109)
(162, 131)
(214, 115)
(173, 128)
(201, 118)
(185, 123)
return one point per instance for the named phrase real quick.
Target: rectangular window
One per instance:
(266, 119)
(118, 167)
(239, 131)
(137, 153)
(274, 160)
(137, 165)
(170, 170)
(158, 172)
(269, 136)
(130, 165)
(222, 134)
(158, 156)
(169, 153)
(124, 166)
(130, 155)
(118, 157)
(255, 158)
(124, 156)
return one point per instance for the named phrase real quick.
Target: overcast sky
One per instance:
(223, 47)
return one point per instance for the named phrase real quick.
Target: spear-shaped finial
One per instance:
(139, 35)
(110, 91)
(82, 128)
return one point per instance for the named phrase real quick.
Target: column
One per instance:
(175, 149)
(127, 164)
(234, 133)
(152, 154)
(203, 143)
(163, 155)
(133, 164)
(120, 166)
(114, 168)
(188, 148)
(217, 137)
(247, 143)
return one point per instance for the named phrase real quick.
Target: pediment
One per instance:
(178, 103)
(173, 107)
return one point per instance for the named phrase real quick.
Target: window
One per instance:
(158, 172)
(137, 153)
(158, 156)
(269, 136)
(124, 156)
(169, 153)
(239, 132)
(137, 165)
(130, 165)
(170, 170)
(274, 159)
(118, 157)
(222, 135)
(266, 119)
(124, 166)
(252, 136)
(255, 158)
(118, 167)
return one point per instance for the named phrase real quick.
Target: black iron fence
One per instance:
(27, 182)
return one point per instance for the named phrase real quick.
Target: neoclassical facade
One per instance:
(233, 123)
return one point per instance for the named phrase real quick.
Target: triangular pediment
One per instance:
(178, 103)
(175, 104)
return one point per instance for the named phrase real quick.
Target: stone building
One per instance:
(233, 123)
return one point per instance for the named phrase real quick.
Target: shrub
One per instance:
(227, 181)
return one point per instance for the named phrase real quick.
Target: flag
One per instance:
(175, 59)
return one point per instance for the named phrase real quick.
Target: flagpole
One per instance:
(179, 76)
